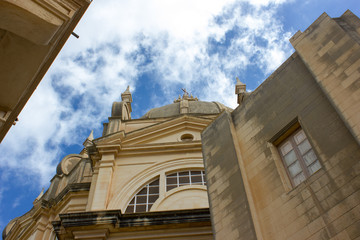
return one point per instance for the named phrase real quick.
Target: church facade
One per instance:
(285, 164)
(143, 179)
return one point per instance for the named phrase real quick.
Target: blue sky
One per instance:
(157, 47)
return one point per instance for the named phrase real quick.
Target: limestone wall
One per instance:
(316, 89)
(230, 214)
(331, 50)
(327, 204)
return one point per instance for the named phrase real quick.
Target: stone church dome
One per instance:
(186, 105)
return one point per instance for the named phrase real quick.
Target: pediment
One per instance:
(167, 131)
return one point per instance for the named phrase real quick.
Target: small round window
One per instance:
(187, 137)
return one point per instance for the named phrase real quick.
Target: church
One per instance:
(285, 164)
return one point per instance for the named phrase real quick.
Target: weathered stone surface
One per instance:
(332, 46)
(31, 36)
(230, 213)
(317, 89)
(114, 221)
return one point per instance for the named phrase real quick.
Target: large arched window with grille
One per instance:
(149, 193)
(145, 198)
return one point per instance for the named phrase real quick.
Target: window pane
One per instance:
(290, 158)
(295, 169)
(171, 180)
(172, 175)
(153, 198)
(299, 157)
(183, 180)
(141, 208)
(196, 179)
(309, 157)
(314, 167)
(153, 189)
(286, 148)
(132, 201)
(299, 137)
(184, 173)
(141, 199)
(195, 172)
(304, 146)
(129, 209)
(143, 191)
(156, 182)
(299, 179)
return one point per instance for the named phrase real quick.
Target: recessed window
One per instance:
(191, 177)
(145, 198)
(187, 137)
(298, 157)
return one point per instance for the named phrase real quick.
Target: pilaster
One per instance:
(103, 181)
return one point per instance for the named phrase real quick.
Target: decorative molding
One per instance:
(116, 219)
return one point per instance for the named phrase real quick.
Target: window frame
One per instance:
(289, 136)
(170, 175)
(147, 203)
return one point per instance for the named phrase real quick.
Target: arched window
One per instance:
(189, 177)
(149, 193)
(145, 198)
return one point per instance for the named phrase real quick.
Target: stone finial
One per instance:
(87, 143)
(240, 90)
(91, 135)
(39, 197)
(239, 86)
(127, 97)
(89, 139)
(127, 90)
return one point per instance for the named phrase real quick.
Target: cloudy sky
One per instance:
(157, 47)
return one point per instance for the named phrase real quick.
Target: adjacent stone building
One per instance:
(32, 33)
(285, 164)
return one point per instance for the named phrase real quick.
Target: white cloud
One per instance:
(201, 45)
(16, 202)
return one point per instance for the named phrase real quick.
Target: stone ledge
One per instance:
(114, 220)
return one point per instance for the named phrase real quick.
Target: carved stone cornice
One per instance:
(73, 187)
(115, 221)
